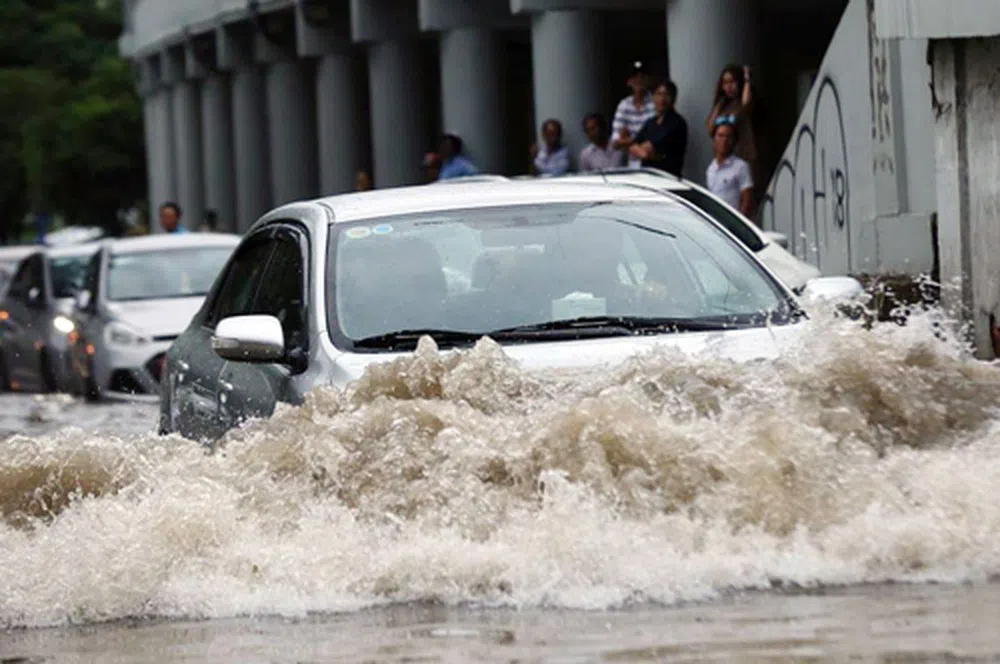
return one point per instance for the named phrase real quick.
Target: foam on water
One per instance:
(858, 456)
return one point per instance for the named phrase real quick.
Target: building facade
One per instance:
(253, 103)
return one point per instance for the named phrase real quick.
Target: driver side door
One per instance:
(196, 367)
(253, 390)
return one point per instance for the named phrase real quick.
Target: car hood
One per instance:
(157, 318)
(792, 271)
(736, 345)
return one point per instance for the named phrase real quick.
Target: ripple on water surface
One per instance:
(459, 477)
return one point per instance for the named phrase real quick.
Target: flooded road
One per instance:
(841, 503)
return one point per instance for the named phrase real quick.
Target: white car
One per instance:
(770, 247)
(140, 293)
(561, 275)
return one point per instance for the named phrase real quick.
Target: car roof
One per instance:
(645, 178)
(171, 241)
(479, 194)
(83, 249)
(13, 254)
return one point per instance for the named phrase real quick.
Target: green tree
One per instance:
(71, 139)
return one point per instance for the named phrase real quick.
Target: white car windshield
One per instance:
(151, 275)
(530, 272)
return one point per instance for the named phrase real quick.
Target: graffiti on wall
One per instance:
(881, 91)
(810, 194)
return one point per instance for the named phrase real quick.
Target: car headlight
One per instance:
(63, 324)
(120, 334)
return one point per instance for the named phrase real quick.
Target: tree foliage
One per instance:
(71, 137)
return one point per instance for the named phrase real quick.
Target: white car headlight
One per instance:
(120, 334)
(63, 325)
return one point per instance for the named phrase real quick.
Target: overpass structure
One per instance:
(251, 103)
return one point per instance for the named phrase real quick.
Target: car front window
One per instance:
(169, 273)
(69, 274)
(517, 271)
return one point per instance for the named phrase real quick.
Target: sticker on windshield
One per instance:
(358, 232)
(578, 305)
(382, 229)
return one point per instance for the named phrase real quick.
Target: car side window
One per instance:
(282, 295)
(717, 211)
(238, 293)
(28, 276)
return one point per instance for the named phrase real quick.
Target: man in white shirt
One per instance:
(599, 154)
(632, 112)
(729, 176)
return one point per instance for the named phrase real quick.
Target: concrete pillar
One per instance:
(291, 129)
(251, 162)
(342, 128)
(703, 36)
(158, 119)
(398, 112)
(217, 144)
(570, 71)
(967, 101)
(472, 94)
(189, 179)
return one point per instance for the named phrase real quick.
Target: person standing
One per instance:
(600, 154)
(453, 163)
(662, 141)
(170, 218)
(632, 112)
(733, 104)
(553, 157)
(211, 222)
(432, 167)
(728, 175)
(363, 181)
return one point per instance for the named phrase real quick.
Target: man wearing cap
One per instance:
(633, 112)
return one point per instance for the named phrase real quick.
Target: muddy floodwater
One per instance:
(841, 503)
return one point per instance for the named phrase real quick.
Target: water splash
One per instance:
(859, 455)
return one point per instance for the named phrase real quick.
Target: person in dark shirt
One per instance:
(662, 141)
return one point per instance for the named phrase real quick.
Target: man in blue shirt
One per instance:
(170, 218)
(454, 165)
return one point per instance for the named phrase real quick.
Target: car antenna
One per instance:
(604, 176)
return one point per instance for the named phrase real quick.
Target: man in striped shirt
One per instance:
(632, 112)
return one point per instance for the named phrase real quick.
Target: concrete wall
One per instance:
(853, 189)
(966, 84)
(937, 19)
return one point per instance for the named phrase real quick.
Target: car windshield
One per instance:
(69, 273)
(529, 272)
(151, 275)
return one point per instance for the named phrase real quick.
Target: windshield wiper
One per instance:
(409, 338)
(621, 326)
(575, 328)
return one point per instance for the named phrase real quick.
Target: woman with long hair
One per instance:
(733, 104)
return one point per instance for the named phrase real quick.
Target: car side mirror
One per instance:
(257, 339)
(779, 239)
(83, 299)
(832, 289)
